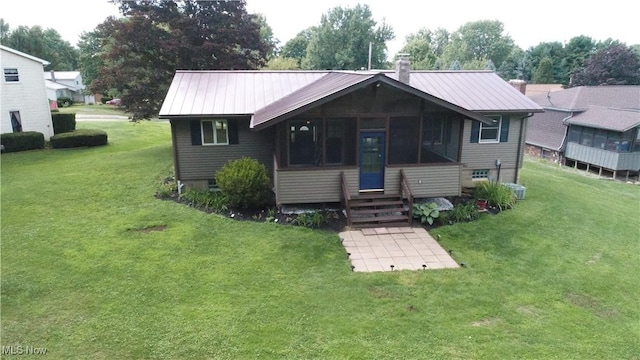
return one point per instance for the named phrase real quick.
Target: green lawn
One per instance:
(96, 109)
(556, 278)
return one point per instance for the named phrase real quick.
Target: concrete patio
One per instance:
(394, 249)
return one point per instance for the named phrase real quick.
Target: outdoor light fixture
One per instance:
(392, 267)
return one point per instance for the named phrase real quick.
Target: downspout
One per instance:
(521, 140)
(564, 139)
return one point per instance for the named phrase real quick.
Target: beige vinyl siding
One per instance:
(425, 181)
(313, 186)
(484, 156)
(200, 162)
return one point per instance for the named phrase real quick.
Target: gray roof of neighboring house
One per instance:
(25, 55)
(547, 129)
(224, 93)
(581, 97)
(62, 75)
(607, 118)
(54, 86)
(614, 108)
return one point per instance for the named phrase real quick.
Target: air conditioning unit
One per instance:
(517, 189)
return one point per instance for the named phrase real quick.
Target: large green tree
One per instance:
(296, 48)
(479, 40)
(577, 50)
(554, 51)
(156, 37)
(46, 44)
(342, 39)
(615, 65)
(544, 72)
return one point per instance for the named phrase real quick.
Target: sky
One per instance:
(528, 23)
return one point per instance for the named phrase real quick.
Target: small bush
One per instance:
(463, 213)
(64, 101)
(311, 220)
(427, 212)
(496, 194)
(210, 200)
(21, 141)
(79, 138)
(63, 123)
(245, 183)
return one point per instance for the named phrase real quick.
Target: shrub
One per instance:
(79, 138)
(210, 200)
(63, 123)
(21, 141)
(64, 101)
(313, 219)
(245, 183)
(496, 194)
(464, 212)
(426, 212)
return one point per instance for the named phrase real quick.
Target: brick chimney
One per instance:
(520, 85)
(403, 68)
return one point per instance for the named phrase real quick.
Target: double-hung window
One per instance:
(11, 75)
(491, 133)
(215, 132)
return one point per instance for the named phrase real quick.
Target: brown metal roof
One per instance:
(607, 118)
(207, 93)
(333, 85)
(225, 93)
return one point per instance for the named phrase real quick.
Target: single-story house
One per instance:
(588, 127)
(23, 103)
(66, 84)
(327, 135)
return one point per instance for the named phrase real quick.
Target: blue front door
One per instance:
(371, 160)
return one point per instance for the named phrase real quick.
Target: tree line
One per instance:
(134, 56)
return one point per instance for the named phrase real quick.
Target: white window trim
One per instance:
(483, 125)
(215, 133)
(4, 75)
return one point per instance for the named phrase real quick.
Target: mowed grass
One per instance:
(555, 278)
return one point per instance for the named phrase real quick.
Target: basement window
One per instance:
(480, 174)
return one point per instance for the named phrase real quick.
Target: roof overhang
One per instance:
(280, 109)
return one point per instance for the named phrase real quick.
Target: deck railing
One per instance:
(346, 198)
(405, 192)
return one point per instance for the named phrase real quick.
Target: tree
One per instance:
(45, 44)
(418, 45)
(554, 51)
(266, 34)
(544, 72)
(4, 31)
(342, 40)
(157, 37)
(577, 50)
(615, 65)
(514, 66)
(296, 48)
(479, 40)
(282, 63)
(92, 49)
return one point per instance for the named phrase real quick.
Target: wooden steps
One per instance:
(377, 209)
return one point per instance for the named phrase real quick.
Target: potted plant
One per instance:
(481, 204)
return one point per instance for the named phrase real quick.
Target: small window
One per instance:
(16, 121)
(491, 133)
(213, 185)
(482, 174)
(215, 132)
(11, 75)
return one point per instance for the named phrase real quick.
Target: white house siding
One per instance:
(28, 96)
(477, 156)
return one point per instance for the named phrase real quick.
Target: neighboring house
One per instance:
(24, 105)
(442, 130)
(66, 84)
(588, 127)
